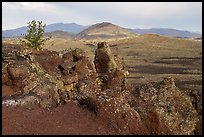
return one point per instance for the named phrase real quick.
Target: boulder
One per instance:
(28, 77)
(173, 108)
(78, 54)
(115, 111)
(116, 80)
(109, 67)
(104, 59)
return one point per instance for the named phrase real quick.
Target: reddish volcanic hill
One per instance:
(104, 30)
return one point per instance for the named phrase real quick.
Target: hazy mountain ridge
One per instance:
(14, 32)
(104, 29)
(167, 32)
(66, 27)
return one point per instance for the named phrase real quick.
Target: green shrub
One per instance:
(34, 38)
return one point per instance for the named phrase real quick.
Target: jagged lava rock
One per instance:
(50, 79)
(173, 108)
(110, 68)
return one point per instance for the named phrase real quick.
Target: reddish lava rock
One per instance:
(7, 91)
(68, 119)
(60, 82)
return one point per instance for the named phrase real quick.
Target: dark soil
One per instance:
(181, 84)
(196, 58)
(159, 70)
(176, 60)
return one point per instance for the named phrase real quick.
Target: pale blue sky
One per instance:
(177, 15)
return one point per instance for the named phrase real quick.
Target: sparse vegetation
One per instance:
(34, 38)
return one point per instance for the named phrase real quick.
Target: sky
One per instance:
(176, 15)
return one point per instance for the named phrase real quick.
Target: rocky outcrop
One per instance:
(110, 68)
(104, 59)
(78, 75)
(50, 79)
(28, 78)
(171, 109)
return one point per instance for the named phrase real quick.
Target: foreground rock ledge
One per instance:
(49, 79)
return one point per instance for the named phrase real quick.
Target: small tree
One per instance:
(34, 38)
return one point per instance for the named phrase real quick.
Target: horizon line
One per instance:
(199, 32)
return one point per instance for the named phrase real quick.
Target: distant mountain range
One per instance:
(104, 29)
(167, 32)
(72, 28)
(66, 27)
